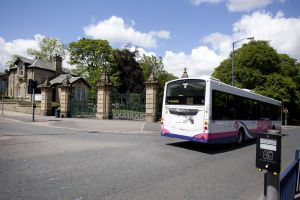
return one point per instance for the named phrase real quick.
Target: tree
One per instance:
(48, 47)
(10, 63)
(287, 66)
(278, 87)
(130, 73)
(259, 55)
(297, 76)
(91, 57)
(155, 65)
(151, 64)
(260, 68)
(223, 72)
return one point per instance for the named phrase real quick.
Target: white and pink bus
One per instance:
(208, 111)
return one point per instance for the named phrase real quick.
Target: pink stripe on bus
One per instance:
(216, 135)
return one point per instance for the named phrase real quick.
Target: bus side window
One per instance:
(230, 106)
(218, 105)
(252, 109)
(241, 108)
(223, 106)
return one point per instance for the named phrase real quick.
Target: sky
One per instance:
(192, 34)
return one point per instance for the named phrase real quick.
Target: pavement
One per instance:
(90, 125)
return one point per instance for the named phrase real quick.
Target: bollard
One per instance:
(265, 184)
(272, 186)
(297, 157)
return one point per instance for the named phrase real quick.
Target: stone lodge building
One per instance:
(43, 71)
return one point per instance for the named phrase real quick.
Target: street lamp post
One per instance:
(248, 38)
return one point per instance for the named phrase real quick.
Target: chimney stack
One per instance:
(58, 63)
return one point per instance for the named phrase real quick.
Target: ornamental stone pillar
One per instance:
(65, 98)
(151, 93)
(184, 75)
(46, 100)
(104, 101)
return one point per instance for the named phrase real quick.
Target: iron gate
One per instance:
(83, 109)
(129, 106)
(159, 101)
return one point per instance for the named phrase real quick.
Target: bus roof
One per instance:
(233, 89)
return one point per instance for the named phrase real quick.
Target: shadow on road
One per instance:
(54, 120)
(211, 148)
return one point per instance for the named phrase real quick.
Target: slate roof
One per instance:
(72, 79)
(24, 60)
(59, 79)
(68, 71)
(43, 65)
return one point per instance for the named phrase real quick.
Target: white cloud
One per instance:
(239, 5)
(201, 61)
(116, 31)
(246, 5)
(16, 47)
(218, 42)
(19, 47)
(283, 33)
(198, 2)
(141, 52)
(160, 34)
(66, 60)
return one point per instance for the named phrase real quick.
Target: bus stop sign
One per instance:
(268, 151)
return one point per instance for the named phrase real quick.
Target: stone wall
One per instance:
(20, 108)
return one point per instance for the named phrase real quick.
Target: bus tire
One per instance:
(240, 136)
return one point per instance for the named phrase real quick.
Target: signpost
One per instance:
(2, 104)
(285, 110)
(2, 89)
(32, 86)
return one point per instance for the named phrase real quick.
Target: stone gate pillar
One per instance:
(104, 101)
(65, 98)
(46, 101)
(151, 93)
(185, 74)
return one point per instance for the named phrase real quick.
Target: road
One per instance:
(42, 162)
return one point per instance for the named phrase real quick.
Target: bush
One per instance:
(55, 105)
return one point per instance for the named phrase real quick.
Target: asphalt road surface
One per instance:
(39, 162)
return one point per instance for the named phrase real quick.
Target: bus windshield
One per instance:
(186, 92)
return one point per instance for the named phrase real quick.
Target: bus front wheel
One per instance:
(240, 136)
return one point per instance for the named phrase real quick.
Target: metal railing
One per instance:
(129, 106)
(289, 179)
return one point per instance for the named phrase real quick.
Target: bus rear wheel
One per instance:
(240, 136)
